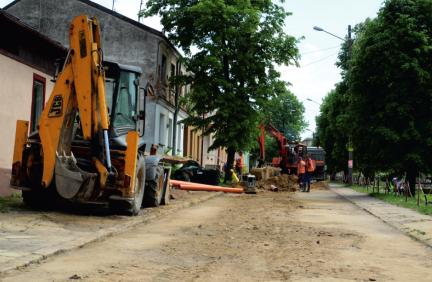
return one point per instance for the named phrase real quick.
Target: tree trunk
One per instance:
(229, 164)
(411, 178)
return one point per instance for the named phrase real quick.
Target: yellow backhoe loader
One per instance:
(87, 147)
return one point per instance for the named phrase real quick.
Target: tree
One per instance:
(332, 128)
(390, 84)
(236, 44)
(285, 112)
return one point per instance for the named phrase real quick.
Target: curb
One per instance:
(99, 235)
(394, 226)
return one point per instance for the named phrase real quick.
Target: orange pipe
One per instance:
(184, 185)
(209, 188)
(179, 182)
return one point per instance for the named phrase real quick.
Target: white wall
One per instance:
(16, 87)
(162, 129)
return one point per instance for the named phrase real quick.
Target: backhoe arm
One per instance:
(79, 88)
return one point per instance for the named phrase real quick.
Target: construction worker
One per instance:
(239, 165)
(310, 168)
(301, 171)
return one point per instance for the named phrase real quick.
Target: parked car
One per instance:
(192, 171)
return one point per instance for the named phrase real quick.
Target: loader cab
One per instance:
(125, 101)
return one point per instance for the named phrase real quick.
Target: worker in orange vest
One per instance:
(301, 171)
(310, 168)
(239, 165)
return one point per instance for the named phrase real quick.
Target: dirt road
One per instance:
(267, 237)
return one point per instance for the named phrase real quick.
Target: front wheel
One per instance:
(139, 188)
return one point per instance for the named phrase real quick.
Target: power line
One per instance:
(316, 51)
(320, 60)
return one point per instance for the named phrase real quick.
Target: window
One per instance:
(170, 132)
(38, 101)
(163, 68)
(126, 101)
(172, 70)
(110, 86)
(162, 128)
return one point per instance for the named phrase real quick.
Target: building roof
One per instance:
(119, 16)
(20, 24)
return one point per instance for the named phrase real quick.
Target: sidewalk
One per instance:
(28, 236)
(414, 224)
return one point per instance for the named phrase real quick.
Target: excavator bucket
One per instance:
(70, 180)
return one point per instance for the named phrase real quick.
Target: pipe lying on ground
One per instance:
(190, 186)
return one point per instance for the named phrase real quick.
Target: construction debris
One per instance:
(265, 172)
(284, 182)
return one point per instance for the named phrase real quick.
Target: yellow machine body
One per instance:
(78, 103)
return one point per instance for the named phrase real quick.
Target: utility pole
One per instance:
(350, 147)
(113, 5)
(140, 9)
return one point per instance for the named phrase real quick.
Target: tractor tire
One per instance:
(154, 192)
(139, 188)
(33, 199)
(166, 196)
(40, 199)
(132, 207)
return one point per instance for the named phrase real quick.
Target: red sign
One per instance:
(350, 164)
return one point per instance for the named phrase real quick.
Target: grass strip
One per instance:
(9, 202)
(391, 198)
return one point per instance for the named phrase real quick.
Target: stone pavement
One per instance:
(29, 236)
(414, 224)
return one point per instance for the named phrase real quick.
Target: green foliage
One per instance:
(391, 83)
(332, 128)
(271, 148)
(236, 44)
(285, 112)
(10, 202)
(384, 101)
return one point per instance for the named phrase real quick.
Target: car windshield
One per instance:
(126, 100)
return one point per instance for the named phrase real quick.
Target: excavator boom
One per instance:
(79, 89)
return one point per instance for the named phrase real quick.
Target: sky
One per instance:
(317, 73)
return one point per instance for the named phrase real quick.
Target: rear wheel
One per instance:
(132, 206)
(154, 191)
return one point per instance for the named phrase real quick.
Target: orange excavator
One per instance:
(289, 152)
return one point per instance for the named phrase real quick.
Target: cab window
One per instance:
(126, 101)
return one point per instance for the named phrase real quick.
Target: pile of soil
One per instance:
(282, 182)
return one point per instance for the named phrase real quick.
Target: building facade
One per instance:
(27, 64)
(129, 42)
(124, 41)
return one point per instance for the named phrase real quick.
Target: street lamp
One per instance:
(349, 145)
(317, 28)
(313, 101)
